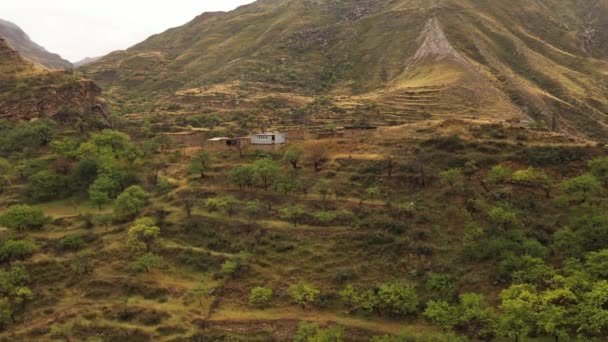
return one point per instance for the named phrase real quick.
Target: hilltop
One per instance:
(381, 61)
(21, 42)
(30, 91)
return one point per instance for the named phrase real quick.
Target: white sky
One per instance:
(76, 29)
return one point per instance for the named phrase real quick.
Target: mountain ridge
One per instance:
(547, 58)
(21, 42)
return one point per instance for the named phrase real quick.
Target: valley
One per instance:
(443, 177)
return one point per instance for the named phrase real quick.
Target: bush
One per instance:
(260, 296)
(398, 298)
(71, 242)
(324, 217)
(499, 174)
(47, 186)
(13, 250)
(21, 217)
(442, 285)
(597, 264)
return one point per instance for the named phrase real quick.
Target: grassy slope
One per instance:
(524, 55)
(112, 303)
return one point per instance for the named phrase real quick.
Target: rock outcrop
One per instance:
(28, 91)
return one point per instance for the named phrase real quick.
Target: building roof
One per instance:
(275, 133)
(220, 139)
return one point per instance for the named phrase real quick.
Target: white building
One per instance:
(268, 139)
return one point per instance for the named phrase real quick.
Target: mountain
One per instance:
(409, 59)
(20, 41)
(29, 91)
(85, 61)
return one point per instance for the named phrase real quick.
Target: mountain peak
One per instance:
(22, 43)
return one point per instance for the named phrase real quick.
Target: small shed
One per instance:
(268, 139)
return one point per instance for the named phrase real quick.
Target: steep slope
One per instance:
(411, 59)
(20, 41)
(28, 91)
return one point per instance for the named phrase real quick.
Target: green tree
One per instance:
(242, 176)
(599, 168)
(226, 204)
(597, 264)
(452, 177)
(442, 286)
(372, 193)
(266, 171)
(325, 217)
(22, 217)
(81, 263)
(503, 217)
(398, 298)
(292, 155)
(311, 332)
(146, 262)
(14, 292)
(475, 318)
(323, 187)
(303, 294)
(292, 213)
(370, 301)
(260, 296)
(582, 188)
(129, 203)
(142, 236)
(348, 295)
(199, 291)
(67, 147)
(103, 190)
(532, 177)
(253, 209)
(13, 250)
(516, 319)
(499, 174)
(119, 144)
(592, 311)
(46, 186)
(556, 313)
(201, 163)
(442, 314)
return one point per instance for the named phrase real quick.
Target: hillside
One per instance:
(409, 60)
(20, 41)
(315, 171)
(30, 91)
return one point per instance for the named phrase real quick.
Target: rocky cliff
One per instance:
(28, 91)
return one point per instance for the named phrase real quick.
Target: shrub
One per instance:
(260, 296)
(324, 217)
(597, 264)
(398, 298)
(499, 174)
(71, 242)
(21, 217)
(13, 250)
(442, 285)
(303, 294)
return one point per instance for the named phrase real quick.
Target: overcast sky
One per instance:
(76, 29)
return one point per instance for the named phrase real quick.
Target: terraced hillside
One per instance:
(474, 59)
